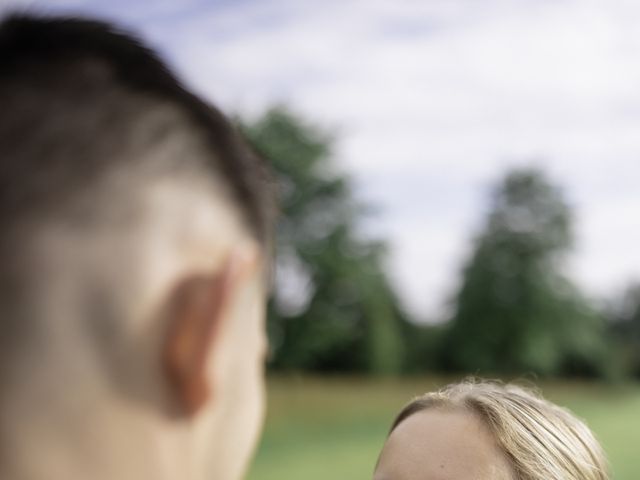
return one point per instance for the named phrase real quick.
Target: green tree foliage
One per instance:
(624, 323)
(333, 309)
(515, 311)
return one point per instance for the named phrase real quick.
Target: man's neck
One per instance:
(48, 432)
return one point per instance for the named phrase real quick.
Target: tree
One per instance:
(516, 311)
(333, 308)
(624, 324)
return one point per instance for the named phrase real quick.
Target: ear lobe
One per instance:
(198, 310)
(195, 316)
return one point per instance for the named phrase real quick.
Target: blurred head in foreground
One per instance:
(135, 229)
(489, 431)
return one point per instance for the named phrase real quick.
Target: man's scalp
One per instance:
(58, 78)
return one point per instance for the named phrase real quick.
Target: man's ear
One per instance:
(198, 309)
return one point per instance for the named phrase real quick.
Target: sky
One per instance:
(431, 102)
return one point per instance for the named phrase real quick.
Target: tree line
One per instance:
(333, 308)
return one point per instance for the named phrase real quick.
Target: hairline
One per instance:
(448, 399)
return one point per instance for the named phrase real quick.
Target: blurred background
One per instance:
(459, 195)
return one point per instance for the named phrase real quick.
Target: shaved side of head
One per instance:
(116, 185)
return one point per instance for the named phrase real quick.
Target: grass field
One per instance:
(319, 429)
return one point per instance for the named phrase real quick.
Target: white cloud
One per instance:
(433, 100)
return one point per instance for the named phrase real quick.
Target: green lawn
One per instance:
(319, 429)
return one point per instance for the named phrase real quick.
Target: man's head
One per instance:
(135, 230)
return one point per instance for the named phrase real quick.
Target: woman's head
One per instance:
(486, 430)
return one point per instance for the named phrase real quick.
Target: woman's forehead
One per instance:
(436, 444)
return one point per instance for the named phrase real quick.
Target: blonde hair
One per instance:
(541, 440)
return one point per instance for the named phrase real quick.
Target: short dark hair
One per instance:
(33, 53)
